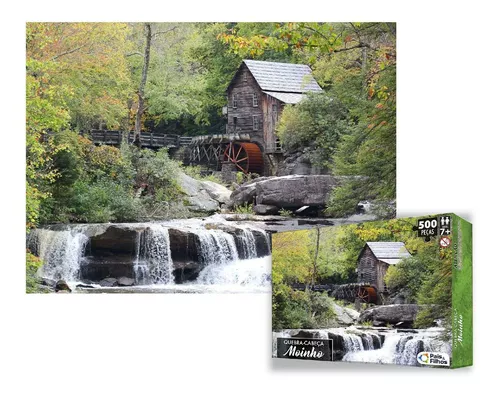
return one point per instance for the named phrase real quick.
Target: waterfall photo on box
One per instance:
(397, 291)
(160, 157)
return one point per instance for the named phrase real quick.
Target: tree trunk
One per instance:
(315, 262)
(142, 86)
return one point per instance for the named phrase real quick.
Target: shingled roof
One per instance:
(283, 77)
(390, 252)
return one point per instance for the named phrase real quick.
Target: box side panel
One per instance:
(462, 293)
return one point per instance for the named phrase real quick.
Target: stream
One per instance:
(375, 345)
(228, 253)
(178, 256)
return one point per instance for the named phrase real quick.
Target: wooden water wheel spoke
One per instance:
(247, 157)
(363, 295)
(241, 168)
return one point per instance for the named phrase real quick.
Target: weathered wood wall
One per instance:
(243, 87)
(272, 109)
(371, 270)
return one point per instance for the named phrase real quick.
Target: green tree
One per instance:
(355, 63)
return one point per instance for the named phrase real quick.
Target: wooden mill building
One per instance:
(374, 260)
(256, 97)
(257, 94)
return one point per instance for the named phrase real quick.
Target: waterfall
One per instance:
(250, 272)
(141, 270)
(216, 247)
(249, 245)
(377, 346)
(61, 251)
(203, 253)
(352, 343)
(155, 256)
(401, 348)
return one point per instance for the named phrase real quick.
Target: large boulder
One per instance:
(289, 192)
(293, 192)
(203, 196)
(217, 192)
(197, 198)
(62, 286)
(245, 194)
(265, 209)
(109, 282)
(125, 281)
(344, 316)
(299, 162)
(402, 315)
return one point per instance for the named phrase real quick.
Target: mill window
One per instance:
(245, 78)
(255, 100)
(255, 122)
(235, 101)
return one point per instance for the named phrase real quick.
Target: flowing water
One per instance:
(231, 257)
(378, 345)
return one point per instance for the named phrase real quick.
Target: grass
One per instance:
(462, 295)
(285, 213)
(244, 209)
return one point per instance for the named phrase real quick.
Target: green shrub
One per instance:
(244, 209)
(300, 309)
(104, 201)
(240, 178)
(317, 122)
(33, 263)
(285, 213)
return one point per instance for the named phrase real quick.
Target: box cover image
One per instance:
(174, 188)
(397, 291)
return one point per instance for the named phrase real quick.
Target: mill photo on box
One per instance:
(391, 292)
(160, 156)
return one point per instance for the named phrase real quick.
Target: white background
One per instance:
(448, 160)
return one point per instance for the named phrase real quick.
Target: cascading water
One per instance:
(216, 247)
(61, 251)
(155, 259)
(206, 254)
(250, 272)
(380, 346)
(248, 241)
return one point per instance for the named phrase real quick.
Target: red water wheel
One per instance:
(247, 157)
(367, 294)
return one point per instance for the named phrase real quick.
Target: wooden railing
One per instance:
(148, 140)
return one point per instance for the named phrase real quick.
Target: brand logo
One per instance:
(433, 358)
(299, 348)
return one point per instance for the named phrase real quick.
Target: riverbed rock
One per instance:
(183, 247)
(289, 192)
(345, 316)
(125, 281)
(217, 192)
(109, 282)
(244, 194)
(48, 282)
(188, 271)
(197, 198)
(402, 314)
(293, 192)
(299, 162)
(265, 209)
(84, 286)
(116, 239)
(62, 286)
